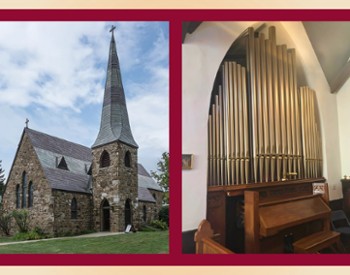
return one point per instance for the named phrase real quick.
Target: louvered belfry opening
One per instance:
(262, 127)
(105, 160)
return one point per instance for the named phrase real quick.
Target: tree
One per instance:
(2, 181)
(162, 175)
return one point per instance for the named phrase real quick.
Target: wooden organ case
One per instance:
(264, 150)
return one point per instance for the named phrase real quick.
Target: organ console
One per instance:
(274, 218)
(265, 153)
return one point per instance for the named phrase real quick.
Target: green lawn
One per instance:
(140, 242)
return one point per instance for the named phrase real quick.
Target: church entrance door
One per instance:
(127, 213)
(105, 215)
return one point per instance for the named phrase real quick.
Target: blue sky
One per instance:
(53, 73)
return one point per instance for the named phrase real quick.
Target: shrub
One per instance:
(24, 236)
(159, 224)
(35, 234)
(164, 214)
(21, 218)
(40, 231)
(5, 222)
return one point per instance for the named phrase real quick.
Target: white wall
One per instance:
(202, 54)
(343, 100)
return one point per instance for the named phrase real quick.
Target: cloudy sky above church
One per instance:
(53, 73)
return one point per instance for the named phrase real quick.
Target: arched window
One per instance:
(127, 159)
(144, 213)
(24, 190)
(30, 194)
(127, 213)
(105, 215)
(18, 196)
(74, 209)
(105, 160)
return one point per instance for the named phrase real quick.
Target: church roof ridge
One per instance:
(115, 124)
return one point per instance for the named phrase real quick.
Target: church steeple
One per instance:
(115, 120)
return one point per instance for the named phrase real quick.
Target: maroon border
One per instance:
(175, 259)
(175, 17)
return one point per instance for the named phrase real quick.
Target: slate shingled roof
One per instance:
(50, 150)
(114, 120)
(67, 180)
(145, 180)
(146, 183)
(145, 195)
(142, 171)
(58, 145)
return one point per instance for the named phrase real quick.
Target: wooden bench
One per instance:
(318, 241)
(205, 243)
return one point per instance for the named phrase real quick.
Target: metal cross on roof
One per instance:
(27, 121)
(112, 28)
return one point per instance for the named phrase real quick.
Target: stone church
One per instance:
(69, 188)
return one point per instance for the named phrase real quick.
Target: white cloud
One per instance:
(54, 73)
(47, 64)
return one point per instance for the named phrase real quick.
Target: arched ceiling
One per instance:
(330, 42)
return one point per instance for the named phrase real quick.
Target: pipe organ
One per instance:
(264, 135)
(261, 126)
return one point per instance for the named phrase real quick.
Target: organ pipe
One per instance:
(261, 126)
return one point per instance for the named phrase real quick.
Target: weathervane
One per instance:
(27, 121)
(112, 29)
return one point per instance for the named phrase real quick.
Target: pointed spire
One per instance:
(115, 120)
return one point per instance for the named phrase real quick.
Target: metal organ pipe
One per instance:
(261, 127)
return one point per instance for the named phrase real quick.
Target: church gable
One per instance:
(27, 186)
(26, 160)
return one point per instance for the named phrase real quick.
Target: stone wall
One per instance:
(151, 212)
(64, 224)
(116, 183)
(41, 213)
(152, 209)
(158, 195)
